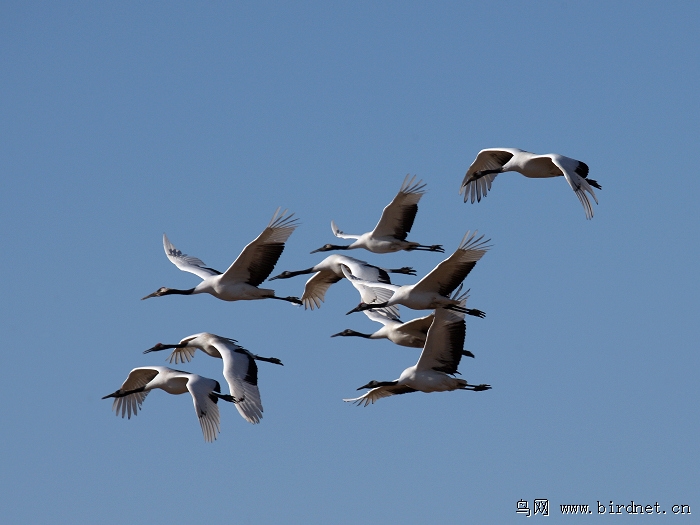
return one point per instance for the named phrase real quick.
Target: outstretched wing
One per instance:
(569, 168)
(420, 325)
(447, 275)
(445, 340)
(205, 404)
(187, 263)
(241, 373)
(131, 403)
(398, 216)
(258, 259)
(487, 159)
(365, 270)
(316, 287)
(381, 391)
(341, 234)
(373, 292)
(180, 355)
(380, 315)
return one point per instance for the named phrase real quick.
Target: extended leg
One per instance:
(294, 300)
(468, 311)
(477, 388)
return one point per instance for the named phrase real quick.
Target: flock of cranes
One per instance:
(440, 334)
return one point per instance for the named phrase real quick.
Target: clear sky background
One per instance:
(121, 121)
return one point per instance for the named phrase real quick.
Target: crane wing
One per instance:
(487, 159)
(316, 287)
(418, 325)
(131, 403)
(340, 234)
(258, 259)
(579, 184)
(365, 270)
(241, 373)
(180, 355)
(380, 315)
(205, 404)
(447, 275)
(398, 216)
(187, 263)
(377, 393)
(371, 292)
(445, 340)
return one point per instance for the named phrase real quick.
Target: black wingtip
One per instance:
(582, 169)
(595, 184)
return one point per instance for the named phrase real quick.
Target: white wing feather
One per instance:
(487, 159)
(241, 373)
(341, 235)
(371, 292)
(577, 183)
(131, 403)
(377, 393)
(316, 287)
(206, 409)
(185, 262)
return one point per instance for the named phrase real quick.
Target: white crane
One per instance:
(240, 282)
(411, 333)
(389, 235)
(328, 272)
(205, 394)
(240, 370)
(436, 366)
(490, 162)
(433, 290)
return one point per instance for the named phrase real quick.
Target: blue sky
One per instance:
(124, 121)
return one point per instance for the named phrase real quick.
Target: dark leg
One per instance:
(405, 270)
(433, 248)
(294, 300)
(227, 397)
(477, 388)
(269, 360)
(468, 311)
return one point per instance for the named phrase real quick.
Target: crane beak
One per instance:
(157, 293)
(356, 309)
